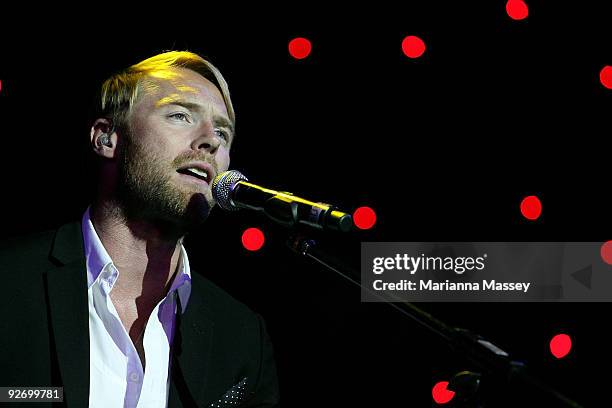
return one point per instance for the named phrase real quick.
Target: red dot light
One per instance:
(605, 76)
(517, 9)
(253, 239)
(441, 394)
(531, 207)
(560, 345)
(413, 46)
(364, 218)
(300, 48)
(606, 252)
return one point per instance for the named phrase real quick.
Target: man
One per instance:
(110, 308)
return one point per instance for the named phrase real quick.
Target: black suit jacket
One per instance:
(44, 330)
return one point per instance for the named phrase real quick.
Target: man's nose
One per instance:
(207, 139)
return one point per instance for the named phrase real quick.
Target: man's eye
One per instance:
(180, 116)
(222, 133)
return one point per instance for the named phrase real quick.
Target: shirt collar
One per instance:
(182, 280)
(100, 265)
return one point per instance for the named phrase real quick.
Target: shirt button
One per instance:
(134, 377)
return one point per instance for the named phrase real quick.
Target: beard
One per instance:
(146, 191)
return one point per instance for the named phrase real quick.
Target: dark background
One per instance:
(443, 147)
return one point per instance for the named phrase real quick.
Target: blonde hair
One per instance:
(120, 92)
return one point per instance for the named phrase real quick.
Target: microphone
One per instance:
(232, 191)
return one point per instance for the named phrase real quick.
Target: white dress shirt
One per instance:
(116, 376)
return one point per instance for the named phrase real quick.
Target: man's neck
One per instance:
(145, 255)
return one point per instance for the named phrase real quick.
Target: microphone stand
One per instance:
(499, 369)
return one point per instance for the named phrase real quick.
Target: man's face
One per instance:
(179, 131)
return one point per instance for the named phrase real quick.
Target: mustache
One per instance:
(192, 157)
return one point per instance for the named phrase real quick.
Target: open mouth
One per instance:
(197, 173)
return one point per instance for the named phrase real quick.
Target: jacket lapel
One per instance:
(67, 294)
(191, 351)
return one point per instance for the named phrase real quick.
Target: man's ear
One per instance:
(103, 138)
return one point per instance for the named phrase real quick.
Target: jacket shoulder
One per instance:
(34, 242)
(39, 251)
(31, 249)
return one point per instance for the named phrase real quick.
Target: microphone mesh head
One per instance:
(222, 187)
